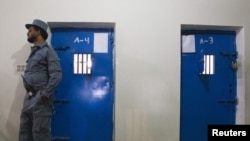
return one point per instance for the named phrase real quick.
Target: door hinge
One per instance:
(230, 101)
(62, 48)
(61, 101)
(60, 139)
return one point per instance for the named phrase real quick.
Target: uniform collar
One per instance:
(42, 44)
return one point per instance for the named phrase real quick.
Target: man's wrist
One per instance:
(44, 93)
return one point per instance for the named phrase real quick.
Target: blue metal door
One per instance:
(84, 99)
(208, 81)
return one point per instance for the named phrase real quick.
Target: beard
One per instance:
(32, 39)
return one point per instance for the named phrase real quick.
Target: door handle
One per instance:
(59, 101)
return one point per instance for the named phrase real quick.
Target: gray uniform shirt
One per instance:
(43, 69)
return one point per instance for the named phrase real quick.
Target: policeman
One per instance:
(41, 77)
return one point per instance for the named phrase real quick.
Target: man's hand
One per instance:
(43, 98)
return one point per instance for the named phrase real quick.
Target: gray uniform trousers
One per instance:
(35, 119)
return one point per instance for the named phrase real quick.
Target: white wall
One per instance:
(147, 56)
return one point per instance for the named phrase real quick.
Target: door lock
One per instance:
(232, 56)
(234, 65)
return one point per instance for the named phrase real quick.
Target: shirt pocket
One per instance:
(36, 62)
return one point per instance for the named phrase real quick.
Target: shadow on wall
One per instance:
(12, 127)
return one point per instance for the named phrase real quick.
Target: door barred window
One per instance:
(82, 63)
(208, 65)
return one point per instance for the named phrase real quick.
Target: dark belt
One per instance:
(37, 88)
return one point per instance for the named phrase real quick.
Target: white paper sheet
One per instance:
(100, 42)
(188, 44)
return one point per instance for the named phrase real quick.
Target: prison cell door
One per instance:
(83, 104)
(208, 81)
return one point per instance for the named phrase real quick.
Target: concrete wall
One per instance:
(147, 41)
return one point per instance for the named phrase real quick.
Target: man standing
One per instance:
(41, 77)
